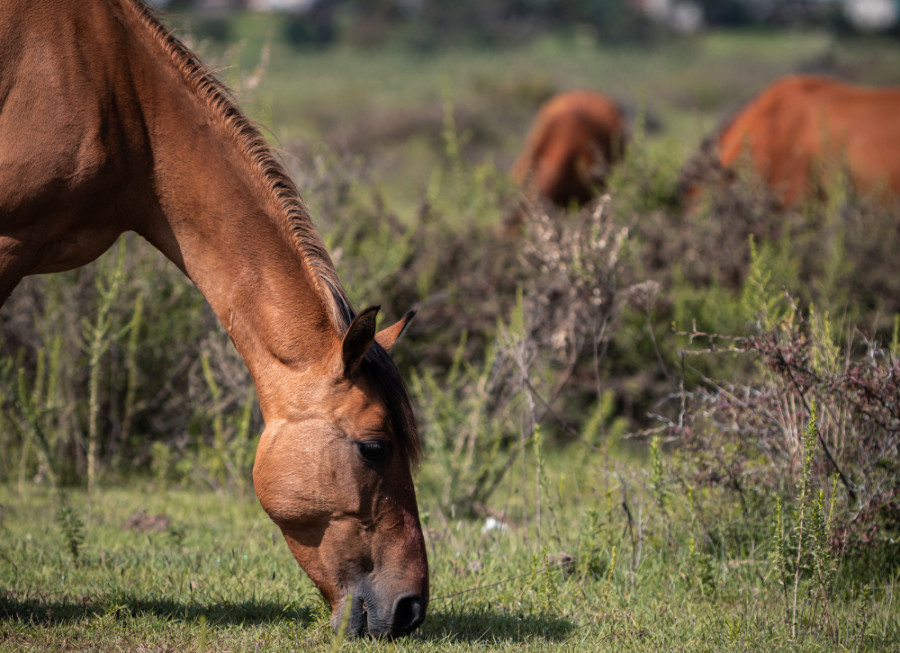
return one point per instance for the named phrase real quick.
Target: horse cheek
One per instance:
(284, 477)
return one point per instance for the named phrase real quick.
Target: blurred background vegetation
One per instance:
(724, 339)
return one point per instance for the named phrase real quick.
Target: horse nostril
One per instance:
(409, 612)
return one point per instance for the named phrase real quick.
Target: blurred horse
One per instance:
(803, 129)
(573, 141)
(109, 124)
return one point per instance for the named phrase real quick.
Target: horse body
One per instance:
(804, 124)
(574, 139)
(108, 124)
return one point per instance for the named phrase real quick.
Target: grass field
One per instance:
(598, 476)
(218, 577)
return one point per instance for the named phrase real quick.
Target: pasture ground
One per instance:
(610, 542)
(219, 577)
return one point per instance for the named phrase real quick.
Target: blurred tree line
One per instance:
(430, 24)
(491, 22)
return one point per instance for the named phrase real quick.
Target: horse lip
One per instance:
(364, 617)
(376, 625)
(354, 621)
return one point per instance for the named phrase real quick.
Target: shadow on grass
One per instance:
(66, 610)
(469, 626)
(453, 626)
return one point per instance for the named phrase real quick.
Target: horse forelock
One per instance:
(294, 220)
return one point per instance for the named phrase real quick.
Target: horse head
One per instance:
(336, 478)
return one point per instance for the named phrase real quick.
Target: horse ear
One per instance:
(387, 337)
(358, 339)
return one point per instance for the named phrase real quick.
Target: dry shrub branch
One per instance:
(751, 434)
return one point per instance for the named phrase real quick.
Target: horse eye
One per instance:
(374, 451)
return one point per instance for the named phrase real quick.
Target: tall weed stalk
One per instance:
(99, 336)
(802, 501)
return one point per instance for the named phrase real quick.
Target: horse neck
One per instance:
(223, 226)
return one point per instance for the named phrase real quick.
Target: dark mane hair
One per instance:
(382, 374)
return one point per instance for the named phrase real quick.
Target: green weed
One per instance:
(72, 528)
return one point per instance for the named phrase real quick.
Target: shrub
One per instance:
(750, 434)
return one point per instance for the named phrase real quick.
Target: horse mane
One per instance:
(296, 223)
(383, 376)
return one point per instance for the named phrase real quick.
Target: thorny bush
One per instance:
(749, 435)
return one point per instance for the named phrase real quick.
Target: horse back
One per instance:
(804, 123)
(574, 138)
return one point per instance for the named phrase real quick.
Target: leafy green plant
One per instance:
(779, 554)
(131, 365)
(468, 435)
(34, 433)
(700, 569)
(72, 528)
(98, 337)
(810, 441)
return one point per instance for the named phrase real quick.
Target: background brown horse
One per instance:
(109, 124)
(574, 139)
(802, 126)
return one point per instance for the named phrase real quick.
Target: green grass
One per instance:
(221, 578)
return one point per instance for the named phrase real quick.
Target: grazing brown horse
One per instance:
(802, 125)
(109, 124)
(574, 139)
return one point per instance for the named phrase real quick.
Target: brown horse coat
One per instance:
(804, 125)
(109, 124)
(574, 139)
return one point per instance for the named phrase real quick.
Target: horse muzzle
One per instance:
(364, 614)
